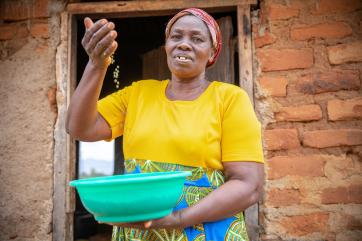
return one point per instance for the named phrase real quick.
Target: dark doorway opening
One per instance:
(139, 40)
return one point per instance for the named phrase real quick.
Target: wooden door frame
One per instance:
(64, 149)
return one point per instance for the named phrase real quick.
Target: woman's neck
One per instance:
(186, 89)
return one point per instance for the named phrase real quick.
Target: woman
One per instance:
(186, 123)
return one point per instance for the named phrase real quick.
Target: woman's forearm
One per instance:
(83, 121)
(229, 199)
(82, 110)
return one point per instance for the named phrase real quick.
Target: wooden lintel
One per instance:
(115, 7)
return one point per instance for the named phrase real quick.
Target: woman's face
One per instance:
(188, 47)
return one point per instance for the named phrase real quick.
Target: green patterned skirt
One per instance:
(197, 186)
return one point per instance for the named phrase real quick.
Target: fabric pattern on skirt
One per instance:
(197, 186)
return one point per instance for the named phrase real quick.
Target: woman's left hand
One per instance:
(171, 221)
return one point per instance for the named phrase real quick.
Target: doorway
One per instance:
(140, 55)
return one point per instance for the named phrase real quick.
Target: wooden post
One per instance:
(245, 51)
(71, 155)
(60, 199)
(64, 147)
(246, 82)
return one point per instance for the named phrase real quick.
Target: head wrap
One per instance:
(210, 23)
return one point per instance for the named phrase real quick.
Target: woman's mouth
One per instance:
(183, 58)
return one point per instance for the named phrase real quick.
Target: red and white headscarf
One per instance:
(210, 23)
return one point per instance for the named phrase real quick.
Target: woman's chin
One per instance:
(183, 71)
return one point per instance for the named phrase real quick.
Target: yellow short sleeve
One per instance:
(113, 109)
(241, 130)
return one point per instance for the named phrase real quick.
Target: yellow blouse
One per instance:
(219, 126)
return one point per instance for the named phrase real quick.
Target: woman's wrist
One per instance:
(180, 220)
(97, 65)
(183, 220)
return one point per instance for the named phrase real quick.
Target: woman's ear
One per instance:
(212, 54)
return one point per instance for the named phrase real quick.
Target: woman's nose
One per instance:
(184, 45)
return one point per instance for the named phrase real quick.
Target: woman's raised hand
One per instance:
(99, 41)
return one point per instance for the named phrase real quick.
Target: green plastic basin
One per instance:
(131, 197)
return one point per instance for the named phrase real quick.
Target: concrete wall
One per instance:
(29, 34)
(308, 61)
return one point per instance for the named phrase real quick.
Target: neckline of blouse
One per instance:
(197, 99)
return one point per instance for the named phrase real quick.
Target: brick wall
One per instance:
(21, 20)
(309, 65)
(29, 35)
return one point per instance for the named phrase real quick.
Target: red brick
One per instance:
(299, 113)
(275, 86)
(346, 222)
(323, 30)
(285, 59)
(347, 236)
(22, 10)
(336, 6)
(337, 195)
(266, 39)
(14, 10)
(52, 98)
(7, 31)
(332, 138)
(329, 81)
(283, 197)
(310, 166)
(345, 109)
(40, 9)
(22, 32)
(281, 139)
(13, 30)
(352, 223)
(345, 53)
(40, 29)
(42, 48)
(281, 12)
(300, 225)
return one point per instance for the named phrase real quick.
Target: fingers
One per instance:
(97, 37)
(110, 50)
(91, 29)
(88, 23)
(95, 33)
(148, 224)
(99, 40)
(138, 225)
(105, 43)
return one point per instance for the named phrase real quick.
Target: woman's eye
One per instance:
(198, 40)
(175, 37)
